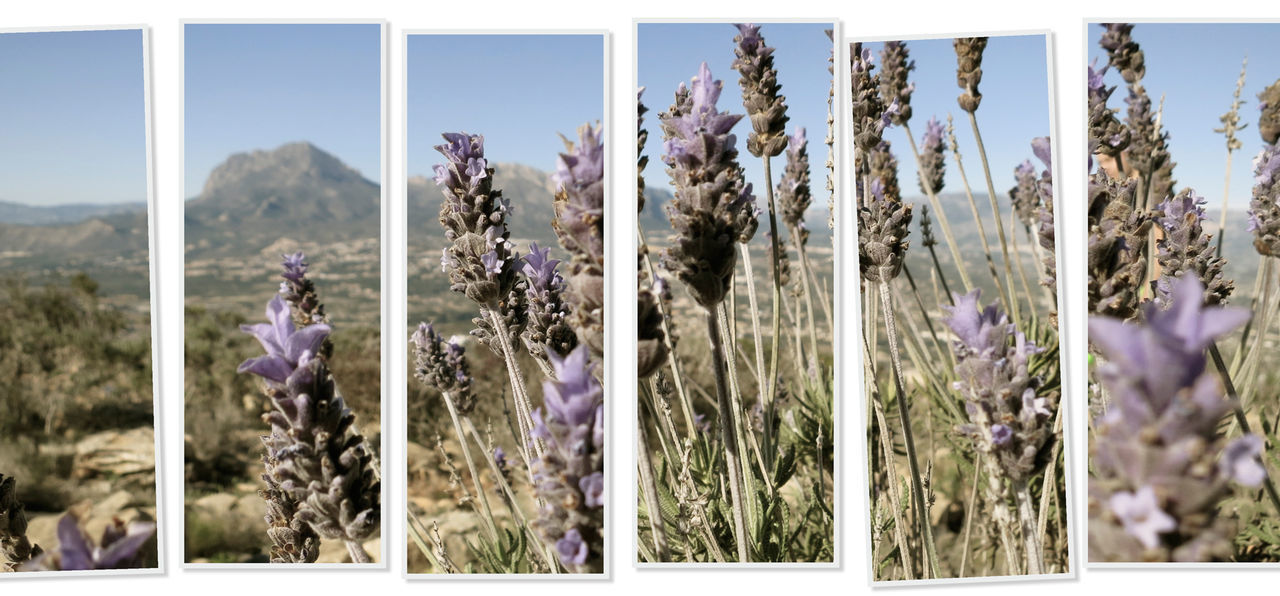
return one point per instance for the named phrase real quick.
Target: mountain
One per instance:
(102, 238)
(31, 215)
(529, 190)
(296, 191)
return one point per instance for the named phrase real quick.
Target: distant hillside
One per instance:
(297, 191)
(32, 215)
(100, 237)
(529, 190)
(657, 226)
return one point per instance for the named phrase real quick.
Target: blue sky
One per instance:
(257, 86)
(72, 117)
(670, 53)
(1014, 109)
(1194, 67)
(519, 91)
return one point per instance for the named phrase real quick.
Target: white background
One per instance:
(860, 19)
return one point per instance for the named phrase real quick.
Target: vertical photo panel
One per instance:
(735, 355)
(282, 178)
(1184, 224)
(506, 163)
(78, 483)
(952, 158)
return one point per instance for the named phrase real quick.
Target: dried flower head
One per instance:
(766, 108)
(794, 195)
(1117, 232)
(547, 327)
(1264, 207)
(895, 86)
(969, 70)
(883, 221)
(1106, 134)
(713, 207)
(15, 549)
(1269, 114)
(1122, 51)
(933, 159)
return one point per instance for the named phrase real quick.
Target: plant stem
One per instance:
(728, 436)
(1030, 537)
(356, 550)
(471, 465)
(761, 385)
(995, 208)
(774, 256)
(1241, 419)
(942, 219)
(524, 408)
(650, 489)
(1226, 198)
(913, 468)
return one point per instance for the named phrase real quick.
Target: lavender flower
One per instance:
(1184, 249)
(713, 208)
(547, 328)
(300, 292)
(1269, 114)
(969, 70)
(651, 345)
(895, 88)
(442, 365)
(883, 221)
(481, 260)
(579, 225)
(933, 160)
(15, 548)
(1157, 448)
(1123, 52)
(794, 195)
(1042, 148)
(868, 108)
(123, 546)
(1009, 418)
(1264, 207)
(569, 478)
(1106, 134)
(642, 160)
(313, 457)
(1117, 233)
(1148, 143)
(766, 108)
(1025, 195)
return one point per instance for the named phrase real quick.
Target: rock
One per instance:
(116, 453)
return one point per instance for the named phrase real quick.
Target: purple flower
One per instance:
(500, 458)
(1240, 461)
(593, 489)
(540, 268)
(572, 549)
(295, 267)
(1001, 434)
(572, 398)
(120, 547)
(286, 347)
(1141, 516)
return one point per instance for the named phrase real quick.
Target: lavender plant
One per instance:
(1176, 465)
(320, 475)
(963, 398)
(735, 441)
(550, 517)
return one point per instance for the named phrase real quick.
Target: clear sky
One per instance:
(1014, 109)
(519, 91)
(72, 117)
(1194, 67)
(257, 86)
(670, 53)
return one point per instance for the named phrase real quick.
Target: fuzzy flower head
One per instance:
(1160, 463)
(761, 94)
(1009, 415)
(442, 365)
(569, 478)
(481, 262)
(713, 208)
(895, 86)
(933, 161)
(1185, 249)
(1107, 135)
(579, 226)
(794, 193)
(969, 70)
(1264, 207)
(868, 107)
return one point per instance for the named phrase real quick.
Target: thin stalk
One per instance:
(356, 550)
(913, 468)
(1005, 294)
(547, 558)
(1050, 478)
(677, 374)
(775, 256)
(995, 207)
(524, 408)
(728, 436)
(808, 295)
(891, 469)
(650, 489)
(471, 466)
(746, 438)
(968, 514)
(1268, 484)
(1030, 537)
(824, 299)
(1226, 199)
(942, 218)
(755, 318)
